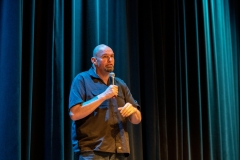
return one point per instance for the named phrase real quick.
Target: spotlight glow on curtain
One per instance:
(222, 79)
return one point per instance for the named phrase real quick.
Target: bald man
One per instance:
(100, 109)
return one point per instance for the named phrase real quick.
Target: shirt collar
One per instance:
(93, 73)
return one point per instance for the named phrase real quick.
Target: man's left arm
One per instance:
(134, 115)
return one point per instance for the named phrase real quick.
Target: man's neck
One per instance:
(104, 76)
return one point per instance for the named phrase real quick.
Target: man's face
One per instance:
(105, 60)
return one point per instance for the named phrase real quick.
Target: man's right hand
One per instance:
(111, 91)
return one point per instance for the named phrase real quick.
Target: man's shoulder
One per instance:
(82, 75)
(120, 81)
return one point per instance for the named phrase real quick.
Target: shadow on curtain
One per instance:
(179, 58)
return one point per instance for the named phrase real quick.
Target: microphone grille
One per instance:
(112, 74)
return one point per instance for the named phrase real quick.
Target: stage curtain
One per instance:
(180, 59)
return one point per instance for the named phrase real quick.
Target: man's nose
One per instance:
(110, 58)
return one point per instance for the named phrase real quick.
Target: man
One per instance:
(100, 107)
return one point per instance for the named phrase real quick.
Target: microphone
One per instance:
(111, 74)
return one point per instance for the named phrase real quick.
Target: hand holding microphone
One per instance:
(112, 90)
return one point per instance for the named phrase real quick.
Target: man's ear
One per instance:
(94, 60)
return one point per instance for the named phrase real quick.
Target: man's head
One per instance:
(103, 59)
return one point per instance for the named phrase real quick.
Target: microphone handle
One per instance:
(112, 80)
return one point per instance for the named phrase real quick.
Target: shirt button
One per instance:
(119, 147)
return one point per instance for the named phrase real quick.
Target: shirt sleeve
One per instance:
(128, 96)
(77, 91)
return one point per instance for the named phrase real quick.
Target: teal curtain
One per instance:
(222, 74)
(10, 79)
(180, 59)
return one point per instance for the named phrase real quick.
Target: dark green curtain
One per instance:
(180, 58)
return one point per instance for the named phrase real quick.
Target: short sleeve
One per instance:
(127, 94)
(77, 91)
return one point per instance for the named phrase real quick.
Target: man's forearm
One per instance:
(80, 111)
(136, 117)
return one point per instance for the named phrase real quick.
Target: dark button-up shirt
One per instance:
(104, 129)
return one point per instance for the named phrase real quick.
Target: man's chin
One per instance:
(109, 69)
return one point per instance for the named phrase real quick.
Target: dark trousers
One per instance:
(91, 155)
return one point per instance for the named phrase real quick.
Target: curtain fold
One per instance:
(180, 60)
(27, 76)
(223, 104)
(10, 78)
